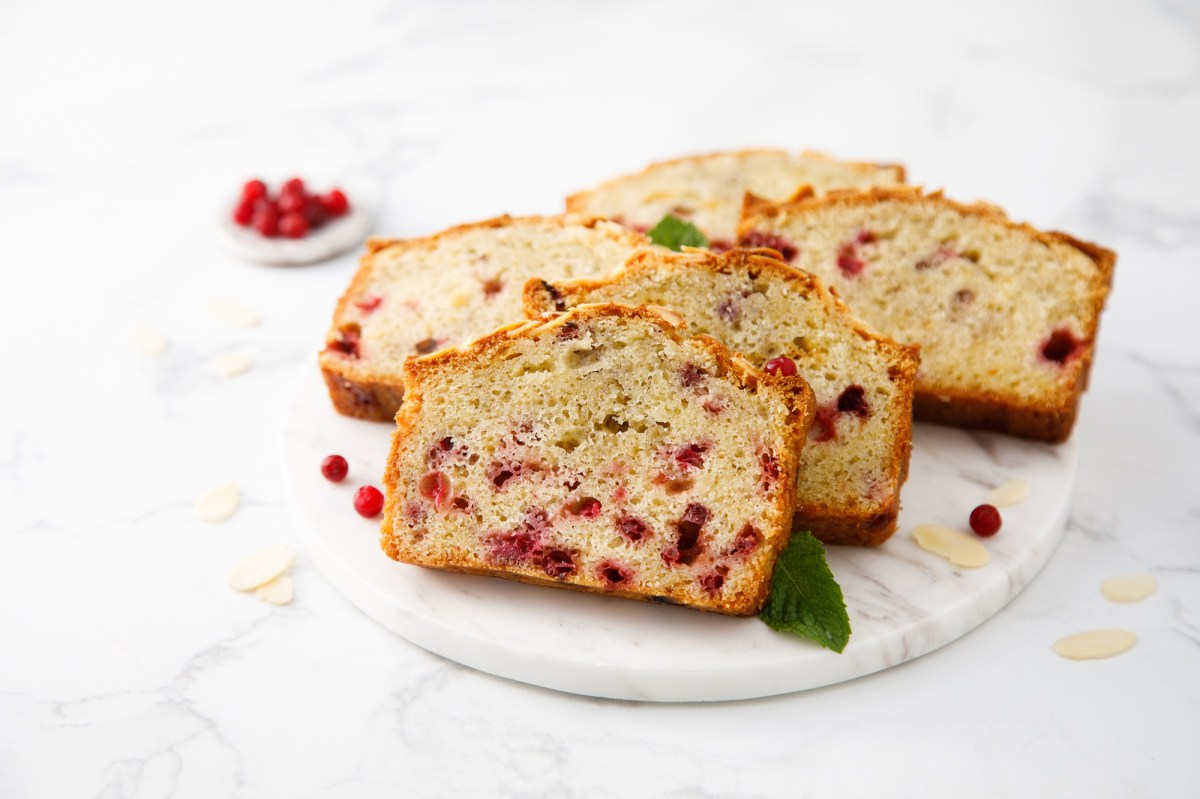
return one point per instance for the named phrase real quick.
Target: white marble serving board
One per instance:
(903, 601)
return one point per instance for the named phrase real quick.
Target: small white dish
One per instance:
(903, 601)
(335, 237)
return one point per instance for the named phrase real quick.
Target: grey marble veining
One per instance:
(130, 670)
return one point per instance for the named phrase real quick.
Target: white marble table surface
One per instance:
(128, 669)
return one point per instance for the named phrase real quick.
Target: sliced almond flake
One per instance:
(218, 504)
(234, 315)
(1013, 492)
(958, 548)
(1095, 644)
(1129, 587)
(148, 341)
(276, 592)
(232, 363)
(260, 568)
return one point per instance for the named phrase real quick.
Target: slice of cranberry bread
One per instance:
(858, 448)
(415, 296)
(1005, 315)
(707, 190)
(577, 451)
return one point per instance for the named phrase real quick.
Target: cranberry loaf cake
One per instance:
(577, 451)
(1005, 315)
(415, 296)
(707, 190)
(856, 457)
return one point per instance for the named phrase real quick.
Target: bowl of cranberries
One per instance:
(293, 222)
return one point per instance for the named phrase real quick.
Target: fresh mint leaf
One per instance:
(673, 233)
(805, 600)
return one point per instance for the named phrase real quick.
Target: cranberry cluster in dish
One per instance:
(291, 213)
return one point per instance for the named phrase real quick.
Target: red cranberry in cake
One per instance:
(747, 540)
(568, 331)
(720, 245)
(368, 304)
(848, 261)
(768, 461)
(783, 365)
(632, 528)
(853, 400)
(772, 241)
(729, 311)
(558, 563)
(713, 581)
(688, 545)
(716, 406)
(939, 256)
(515, 547)
(346, 341)
(435, 486)
(613, 573)
(426, 346)
(692, 455)
(491, 286)
(865, 237)
(964, 296)
(1061, 346)
(824, 426)
(691, 375)
(584, 507)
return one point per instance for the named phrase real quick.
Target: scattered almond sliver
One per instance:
(276, 592)
(1013, 492)
(1095, 644)
(218, 504)
(958, 548)
(1129, 587)
(148, 341)
(234, 315)
(260, 568)
(231, 363)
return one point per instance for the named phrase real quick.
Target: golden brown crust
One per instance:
(950, 405)
(794, 390)
(830, 525)
(577, 202)
(376, 394)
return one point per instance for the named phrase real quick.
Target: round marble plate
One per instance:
(903, 601)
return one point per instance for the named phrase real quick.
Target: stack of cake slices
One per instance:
(662, 421)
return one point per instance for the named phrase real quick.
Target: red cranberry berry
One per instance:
(368, 501)
(782, 365)
(293, 186)
(334, 468)
(290, 203)
(314, 212)
(985, 521)
(266, 219)
(435, 486)
(244, 213)
(253, 189)
(335, 202)
(293, 225)
(368, 304)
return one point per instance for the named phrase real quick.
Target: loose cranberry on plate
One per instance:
(368, 501)
(334, 468)
(985, 521)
